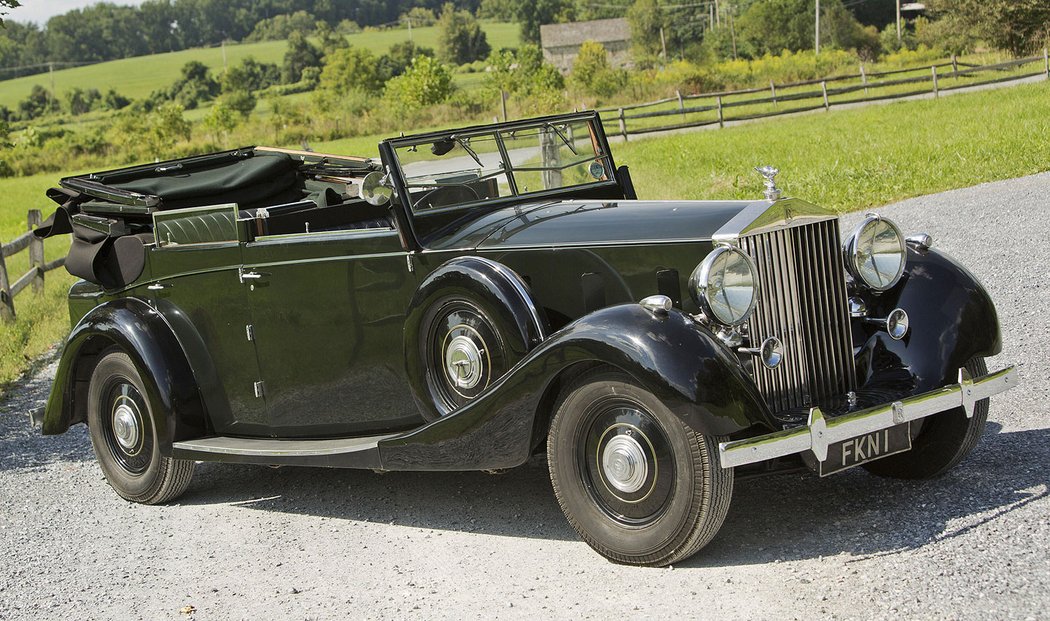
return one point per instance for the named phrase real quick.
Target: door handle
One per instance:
(157, 286)
(244, 276)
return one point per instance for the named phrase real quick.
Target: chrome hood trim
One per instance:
(764, 216)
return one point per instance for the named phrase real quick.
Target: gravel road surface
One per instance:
(254, 542)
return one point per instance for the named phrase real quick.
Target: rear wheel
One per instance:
(125, 439)
(944, 440)
(636, 483)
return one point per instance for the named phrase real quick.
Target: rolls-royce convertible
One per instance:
(475, 297)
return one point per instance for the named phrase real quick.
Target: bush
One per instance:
(425, 83)
(419, 16)
(193, 87)
(592, 73)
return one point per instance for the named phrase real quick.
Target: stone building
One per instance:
(561, 42)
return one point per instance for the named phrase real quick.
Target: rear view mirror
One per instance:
(374, 190)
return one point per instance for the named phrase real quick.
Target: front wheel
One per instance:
(944, 440)
(636, 483)
(124, 437)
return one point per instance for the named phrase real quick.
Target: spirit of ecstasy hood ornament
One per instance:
(770, 173)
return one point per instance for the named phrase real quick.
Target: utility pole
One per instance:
(898, 21)
(663, 43)
(224, 53)
(410, 35)
(817, 37)
(51, 95)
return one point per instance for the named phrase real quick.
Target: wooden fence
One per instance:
(37, 266)
(779, 99)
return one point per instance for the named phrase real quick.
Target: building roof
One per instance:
(575, 33)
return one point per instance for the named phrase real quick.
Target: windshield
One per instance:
(461, 169)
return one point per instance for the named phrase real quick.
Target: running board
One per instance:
(340, 453)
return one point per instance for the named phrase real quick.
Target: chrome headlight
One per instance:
(875, 253)
(725, 285)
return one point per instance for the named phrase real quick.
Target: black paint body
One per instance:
(336, 318)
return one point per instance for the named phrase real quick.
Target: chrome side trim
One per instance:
(519, 286)
(821, 432)
(263, 447)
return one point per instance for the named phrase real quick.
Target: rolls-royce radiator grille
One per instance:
(803, 303)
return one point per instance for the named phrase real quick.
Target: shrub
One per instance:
(426, 82)
(282, 26)
(350, 69)
(592, 73)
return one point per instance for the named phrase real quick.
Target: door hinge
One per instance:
(249, 331)
(260, 389)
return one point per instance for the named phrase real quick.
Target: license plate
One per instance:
(868, 447)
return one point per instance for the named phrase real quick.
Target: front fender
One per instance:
(952, 319)
(683, 364)
(141, 332)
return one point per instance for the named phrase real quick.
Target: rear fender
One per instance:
(143, 334)
(680, 362)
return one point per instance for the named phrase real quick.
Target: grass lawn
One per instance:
(138, 77)
(853, 159)
(844, 159)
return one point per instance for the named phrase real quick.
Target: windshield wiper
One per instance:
(466, 147)
(563, 139)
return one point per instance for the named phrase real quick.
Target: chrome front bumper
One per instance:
(820, 432)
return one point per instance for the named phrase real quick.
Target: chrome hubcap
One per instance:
(126, 427)
(463, 362)
(624, 464)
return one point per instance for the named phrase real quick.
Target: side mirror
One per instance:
(373, 189)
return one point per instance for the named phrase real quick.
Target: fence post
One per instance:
(824, 90)
(7, 301)
(36, 251)
(1046, 63)
(773, 88)
(721, 119)
(623, 125)
(936, 90)
(681, 102)
(864, 79)
(955, 66)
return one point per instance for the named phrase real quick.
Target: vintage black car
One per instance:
(478, 296)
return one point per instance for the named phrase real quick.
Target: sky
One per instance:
(39, 11)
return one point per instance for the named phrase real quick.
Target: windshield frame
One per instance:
(403, 184)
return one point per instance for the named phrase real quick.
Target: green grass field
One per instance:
(138, 77)
(845, 159)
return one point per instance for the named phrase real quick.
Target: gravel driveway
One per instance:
(254, 542)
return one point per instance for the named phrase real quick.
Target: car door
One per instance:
(328, 311)
(195, 263)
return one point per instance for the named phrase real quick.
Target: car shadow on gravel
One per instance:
(779, 518)
(794, 517)
(518, 503)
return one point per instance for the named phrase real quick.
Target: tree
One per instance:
(300, 55)
(772, 26)
(460, 38)
(193, 86)
(678, 26)
(425, 83)
(39, 102)
(250, 76)
(531, 14)
(350, 69)
(7, 4)
(1018, 26)
(419, 17)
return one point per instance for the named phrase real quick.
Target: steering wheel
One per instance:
(459, 193)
